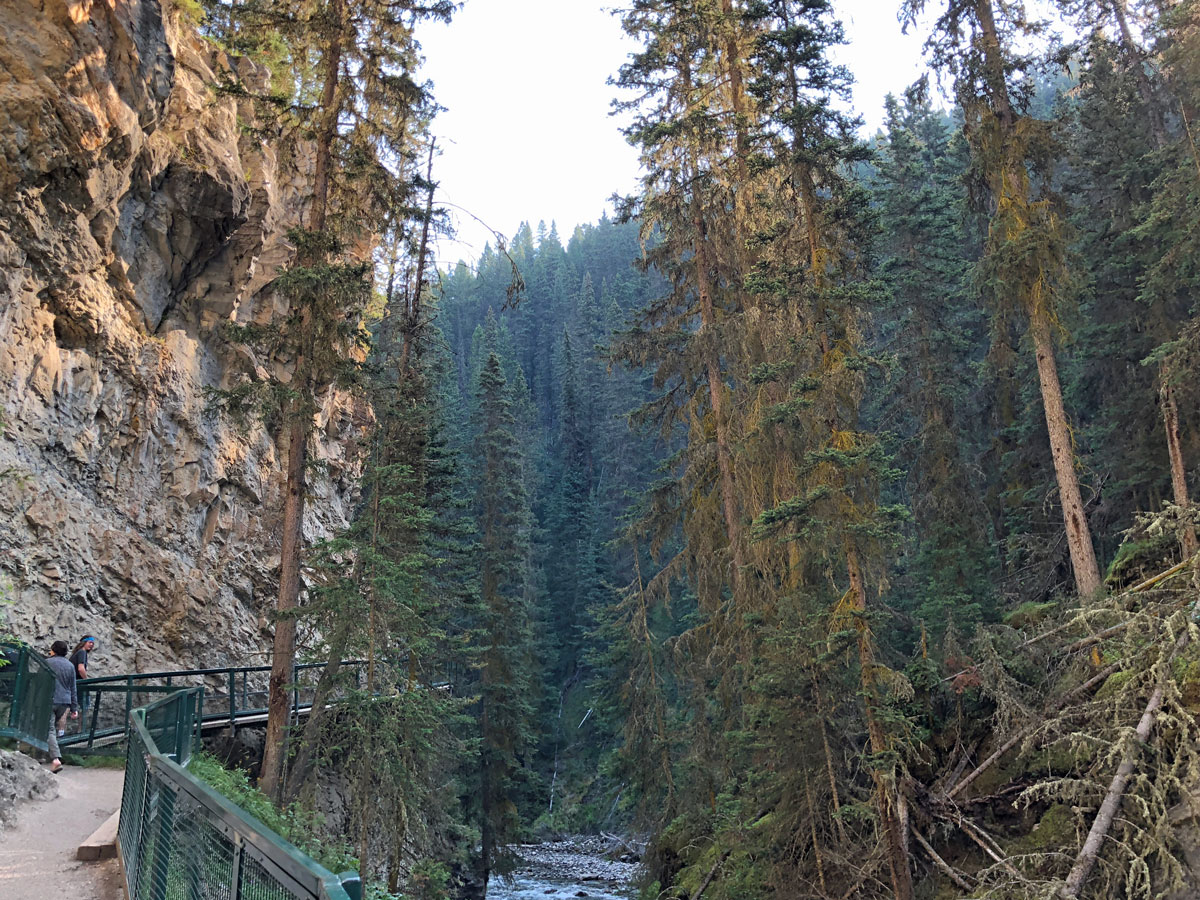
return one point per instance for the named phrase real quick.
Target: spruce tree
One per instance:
(758, 347)
(1024, 270)
(506, 662)
(349, 100)
(933, 325)
(684, 126)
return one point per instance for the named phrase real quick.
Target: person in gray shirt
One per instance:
(65, 697)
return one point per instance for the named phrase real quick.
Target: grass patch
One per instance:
(94, 762)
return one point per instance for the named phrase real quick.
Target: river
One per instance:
(558, 870)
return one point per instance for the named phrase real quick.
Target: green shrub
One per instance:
(294, 823)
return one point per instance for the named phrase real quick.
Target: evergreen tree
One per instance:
(346, 83)
(1024, 269)
(934, 328)
(507, 669)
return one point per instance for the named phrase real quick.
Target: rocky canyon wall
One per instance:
(137, 215)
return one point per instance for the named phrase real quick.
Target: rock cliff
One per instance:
(138, 214)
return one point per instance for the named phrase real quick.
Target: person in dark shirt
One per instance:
(79, 657)
(65, 700)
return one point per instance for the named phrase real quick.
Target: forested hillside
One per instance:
(909, 419)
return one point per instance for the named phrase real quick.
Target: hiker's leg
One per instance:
(53, 738)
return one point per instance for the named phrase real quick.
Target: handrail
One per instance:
(26, 697)
(243, 698)
(162, 781)
(192, 673)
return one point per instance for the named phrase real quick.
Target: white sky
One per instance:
(527, 136)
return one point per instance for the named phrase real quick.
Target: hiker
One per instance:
(79, 656)
(65, 698)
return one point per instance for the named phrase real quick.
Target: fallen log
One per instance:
(950, 872)
(712, 873)
(1108, 632)
(989, 846)
(1022, 733)
(1090, 851)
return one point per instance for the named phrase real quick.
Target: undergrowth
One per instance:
(294, 823)
(302, 827)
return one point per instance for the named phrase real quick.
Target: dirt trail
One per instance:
(37, 857)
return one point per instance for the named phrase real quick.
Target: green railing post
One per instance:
(198, 724)
(14, 712)
(235, 875)
(95, 720)
(179, 720)
(128, 697)
(233, 697)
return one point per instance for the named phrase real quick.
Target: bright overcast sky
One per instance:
(527, 136)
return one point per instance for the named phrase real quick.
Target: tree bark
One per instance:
(949, 871)
(302, 764)
(283, 651)
(1020, 735)
(1137, 65)
(1170, 411)
(412, 322)
(833, 788)
(712, 873)
(1079, 537)
(716, 396)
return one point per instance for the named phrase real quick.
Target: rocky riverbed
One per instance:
(577, 867)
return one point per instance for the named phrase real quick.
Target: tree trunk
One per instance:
(302, 765)
(283, 650)
(716, 396)
(1079, 537)
(1137, 65)
(886, 801)
(833, 788)
(283, 655)
(1170, 411)
(413, 314)
(1090, 851)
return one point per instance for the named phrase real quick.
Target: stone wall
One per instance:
(136, 216)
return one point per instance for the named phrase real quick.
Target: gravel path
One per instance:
(37, 856)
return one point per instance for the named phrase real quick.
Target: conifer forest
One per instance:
(818, 520)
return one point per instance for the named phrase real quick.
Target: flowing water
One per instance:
(558, 870)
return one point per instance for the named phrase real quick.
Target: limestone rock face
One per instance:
(137, 216)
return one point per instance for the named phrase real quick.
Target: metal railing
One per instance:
(235, 695)
(181, 840)
(26, 697)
